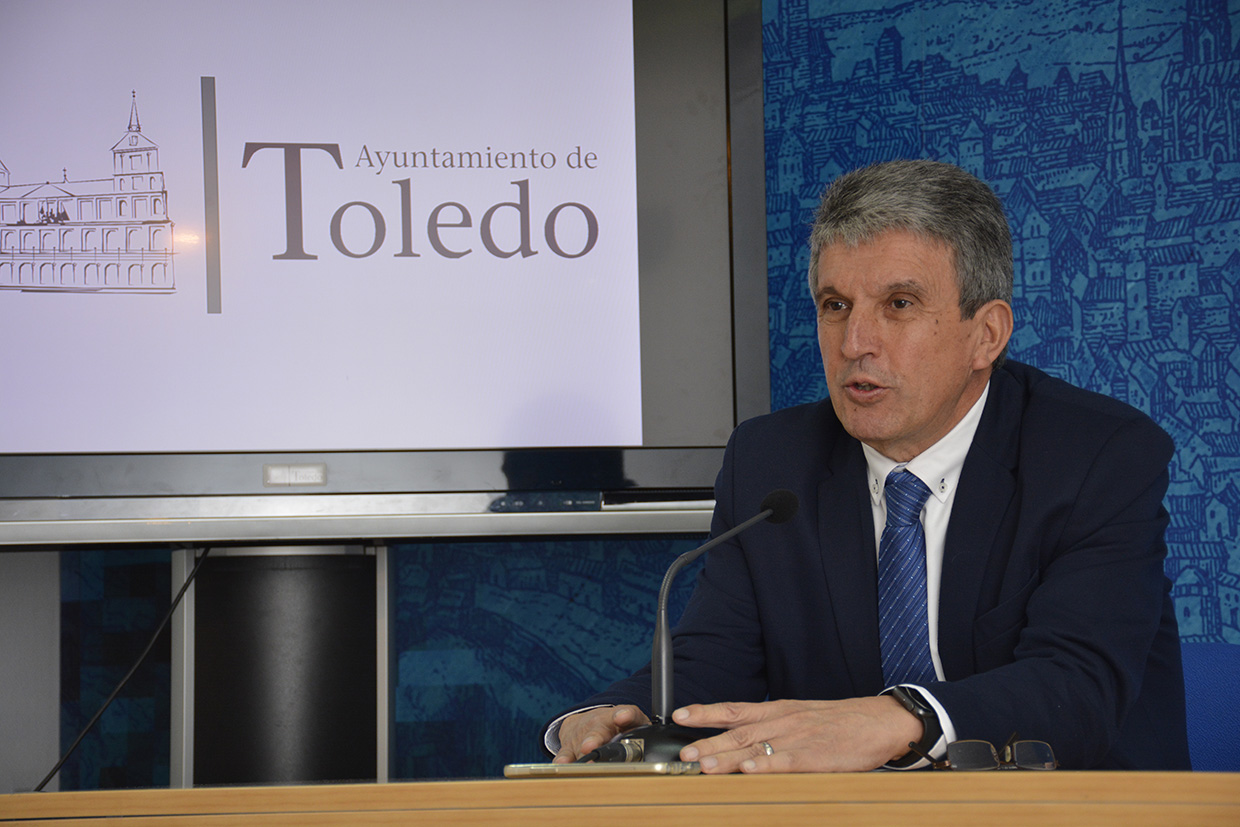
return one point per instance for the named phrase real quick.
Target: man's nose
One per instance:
(860, 335)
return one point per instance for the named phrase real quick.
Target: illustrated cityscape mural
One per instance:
(1112, 133)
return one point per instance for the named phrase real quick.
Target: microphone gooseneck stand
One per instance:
(662, 740)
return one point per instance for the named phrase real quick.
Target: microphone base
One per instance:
(663, 742)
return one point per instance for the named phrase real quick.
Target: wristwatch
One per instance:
(912, 700)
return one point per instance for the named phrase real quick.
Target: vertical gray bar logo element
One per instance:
(211, 194)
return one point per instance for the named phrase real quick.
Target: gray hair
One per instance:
(930, 199)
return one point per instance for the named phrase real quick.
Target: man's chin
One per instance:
(866, 423)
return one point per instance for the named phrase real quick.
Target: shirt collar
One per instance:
(938, 466)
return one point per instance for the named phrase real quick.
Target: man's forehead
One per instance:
(887, 262)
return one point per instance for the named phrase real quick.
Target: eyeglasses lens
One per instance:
(972, 755)
(1033, 755)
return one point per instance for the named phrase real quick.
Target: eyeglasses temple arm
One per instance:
(938, 765)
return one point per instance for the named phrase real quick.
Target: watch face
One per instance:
(912, 703)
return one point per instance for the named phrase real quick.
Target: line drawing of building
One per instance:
(96, 235)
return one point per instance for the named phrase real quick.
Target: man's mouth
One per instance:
(863, 391)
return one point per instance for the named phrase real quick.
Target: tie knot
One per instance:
(906, 494)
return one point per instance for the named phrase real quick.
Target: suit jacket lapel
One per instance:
(983, 497)
(849, 559)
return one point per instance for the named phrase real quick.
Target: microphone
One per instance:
(662, 740)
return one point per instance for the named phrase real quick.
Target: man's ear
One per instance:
(994, 331)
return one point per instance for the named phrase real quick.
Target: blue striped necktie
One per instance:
(904, 630)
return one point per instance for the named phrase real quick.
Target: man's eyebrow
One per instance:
(823, 291)
(902, 286)
(906, 286)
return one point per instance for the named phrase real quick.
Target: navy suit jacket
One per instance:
(1055, 616)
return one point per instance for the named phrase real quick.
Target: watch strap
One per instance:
(917, 706)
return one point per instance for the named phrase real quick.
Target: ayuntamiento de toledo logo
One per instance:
(449, 215)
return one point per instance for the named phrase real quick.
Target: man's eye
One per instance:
(832, 306)
(901, 304)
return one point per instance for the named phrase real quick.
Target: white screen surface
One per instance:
(438, 113)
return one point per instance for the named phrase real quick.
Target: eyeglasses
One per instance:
(971, 756)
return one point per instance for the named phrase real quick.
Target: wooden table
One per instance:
(913, 799)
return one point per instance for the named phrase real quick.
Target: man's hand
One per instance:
(589, 730)
(807, 736)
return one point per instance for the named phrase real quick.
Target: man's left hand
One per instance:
(852, 735)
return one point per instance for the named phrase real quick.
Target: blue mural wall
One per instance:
(492, 639)
(111, 603)
(1112, 132)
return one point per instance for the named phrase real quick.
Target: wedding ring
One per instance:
(767, 748)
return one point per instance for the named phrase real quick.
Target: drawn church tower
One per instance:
(135, 162)
(1124, 146)
(1207, 32)
(1200, 93)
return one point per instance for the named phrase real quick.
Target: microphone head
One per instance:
(782, 503)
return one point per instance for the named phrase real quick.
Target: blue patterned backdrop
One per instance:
(1112, 132)
(492, 639)
(110, 604)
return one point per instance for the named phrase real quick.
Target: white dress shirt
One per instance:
(939, 467)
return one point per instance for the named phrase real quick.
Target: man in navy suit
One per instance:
(1047, 612)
